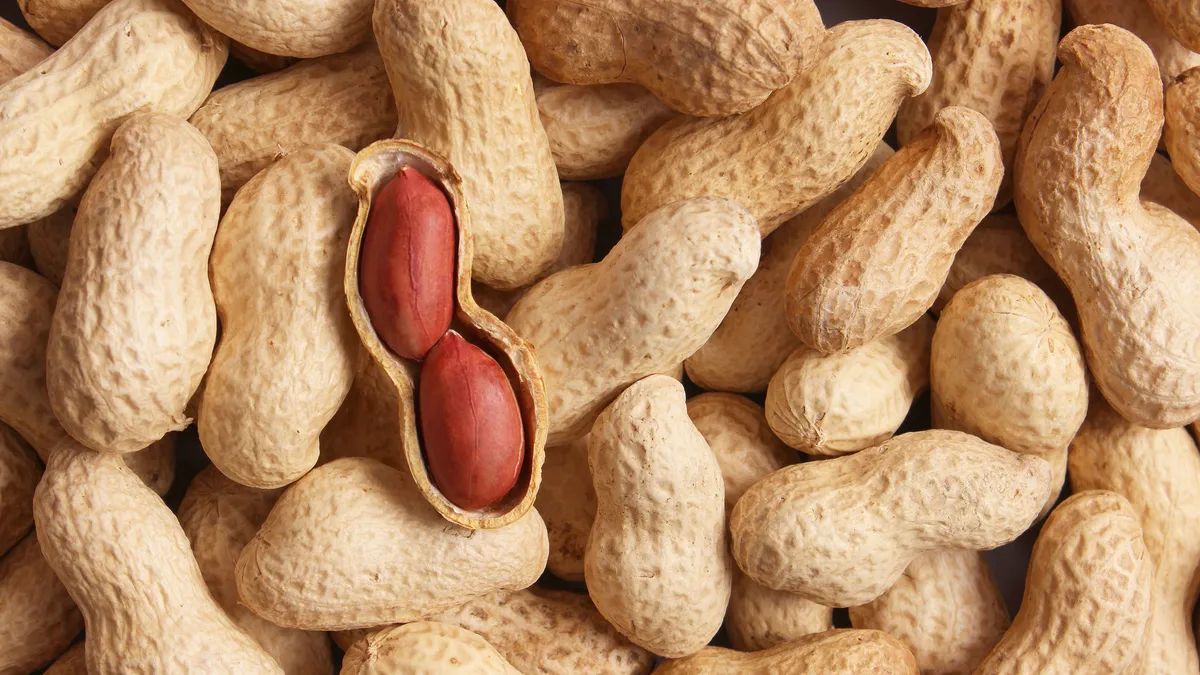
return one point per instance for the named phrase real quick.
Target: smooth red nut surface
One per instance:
(406, 271)
(471, 424)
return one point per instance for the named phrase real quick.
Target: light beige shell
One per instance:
(1135, 16)
(595, 129)
(219, 518)
(74, 662)
(841, 531)
(20, 471)
(19, 51)
(354, 544)
(83, 92)
(761, 618)
(797, 147)
(49, 242)
(58, 20)
(106, 535)
(753, 339)
(301, 28)
(156, 464)
(994, 56)
(288, 351)
(657, 562)
(877, 261)
(1181, 18)
(1182, 134)
(708, 59)
(836, 652)
(38, 619)
(366, 425)
(26, 307)
(836, 404)
(1129, 264)
(651, 303)
(476, 108)
(1159, 473)
(946, 609)
(123, 359)
(342, 99)
(567, 502)
(1087, 596)
(1163, 186)
(425, 648)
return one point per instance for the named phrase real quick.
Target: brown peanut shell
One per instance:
(38, 619)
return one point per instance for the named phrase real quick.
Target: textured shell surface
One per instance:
(1181, 18)
(366, 425)
(735, 429)
(835, 651)
(26, 309)
(1182, 135)
(20, 471)
(425, 648)
(19, 51)
(301, 28)
(567, 502)
(1135, 17)
(38, 619)
(58, 20)
(760, 618)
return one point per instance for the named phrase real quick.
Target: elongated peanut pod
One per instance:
(301, 28)
(38, 619)
(1135, 17)
(835, 652)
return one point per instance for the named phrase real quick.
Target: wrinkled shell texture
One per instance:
(220, 517)
(994, 56)
(124, 358)
(49, 241)
(1181, 18)
(708, 59)
(168, 63)
(753, 339)
(343, 99)
(74, 662)
(657, 562)
(760, 618)
(1129, 264)
(58, 20)
(20, 471)
(1091, 551)
(167, 621)
(288, 351)
(1182, 134)
(841, 403)
(354, 544)
(367, 424)
(26, 307)
(456, 99)
(798, 146)
(1163, 186)
(1159, 473)
(301, 28)
(946, 609)
(38, 619)
(19, 51)
(651, 303)
(803, 528)
(1173, 58)
(567, 502)
(877, 262)
(736, 431)
(999, 246)
(838, 651)
(425, 648)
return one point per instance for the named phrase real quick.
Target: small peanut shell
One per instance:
(567, 502)
(1133, 16)
(799, 145)
(20, 471)
(1090, 549)
(300, 28)
(354, 544)
(425, 648)
(38, 619)
(836, 652)
(1165, 187)
(370, 171)
(877, 262)
(19, 51)
(841, 531)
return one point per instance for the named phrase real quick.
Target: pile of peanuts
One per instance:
(448, 433)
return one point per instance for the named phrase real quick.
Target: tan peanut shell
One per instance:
(49, 240)
(836, 404)
(1163, 186)
(760, 618)
(287, 353)
(1128, 263)
(946, 608)
(19, 51)
(799, 145)
(710, 59)
(877, 261)
(841, 531)
(1181, 18)
(1087, 594)
(120, 378)
(343, 99)
(20, 471)
(1159, 473)
(567, 502)
(366, 425)
(79, 95)
(1135, 16)
(354, 544)
(56, 21)
(219, 518)
(993, 56)
(836, 652)
(167, 621)
(657, 562)
(753, 339)
(74, 662)
(300, 28)
(38, 619)
(476, 107)
(425, 648)
(652, 302)
(155, 465)
(735, 429)
(371, 170)
(1182, 136)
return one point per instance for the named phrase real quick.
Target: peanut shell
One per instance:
(300, 28)
(38, 619)
(19, 51)
(56, 21)
(1135, 16)
(20, 471)
(836, 652)
(425, 648)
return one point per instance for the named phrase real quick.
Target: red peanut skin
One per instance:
(474, 438)
(406, 272)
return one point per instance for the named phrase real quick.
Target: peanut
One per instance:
(836, 404)
(760, 618)
(1087, 595)
(657, 561)
(19, 51)
(19, 475)
(49, 241)
(1181, 18)
(1164, 186)
(567, 501)
(477, 108)
(156, 464)
(836, 652)
(366, 425)
(38, 620)
(1103, 110)
(381, 552)
(259, 62)
(798, 146)
(304, 29)
(651, 303)
(425, 648)
(1135, 16)
(1159, 473)
(74, 662)
(287, 353)
(802, 529)
(56, 21)
(875, 264)
(79, 95)
(1182, 134)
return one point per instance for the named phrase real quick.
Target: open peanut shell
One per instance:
(372, 168)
